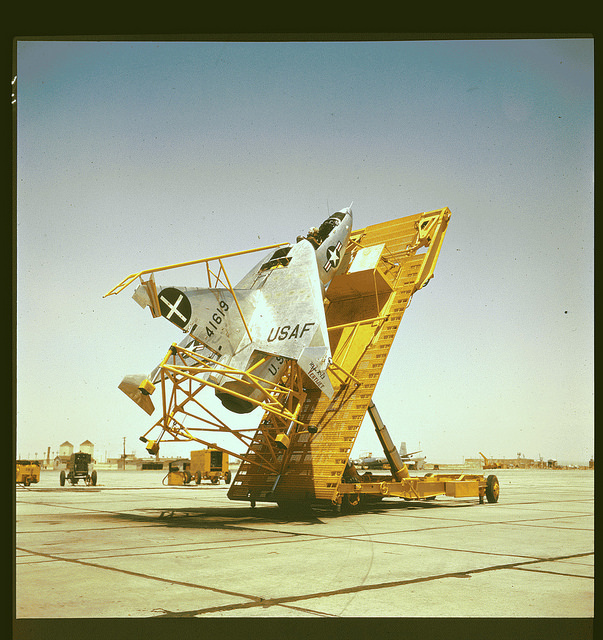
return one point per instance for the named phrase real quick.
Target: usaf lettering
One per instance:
(285, 332)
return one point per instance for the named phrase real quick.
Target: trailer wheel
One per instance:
(492, 489)
(93, 478)
(351, 502)
(62, 478)
(227, 477)
(187, 477)
(198, 477)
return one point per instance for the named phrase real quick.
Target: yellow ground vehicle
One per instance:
(28, 471)
(207, 464)
(178, 473)
(489, 465)
(210, 464)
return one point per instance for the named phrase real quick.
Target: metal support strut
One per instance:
(397, 466)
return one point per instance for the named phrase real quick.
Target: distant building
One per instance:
(87, 447)
(504, 463)
(65, 449)
(130, 461)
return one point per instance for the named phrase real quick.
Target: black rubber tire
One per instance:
(93, 478)
(62, 478)
(351, 502)
(198, 477)
(492, 489)
(227, 477)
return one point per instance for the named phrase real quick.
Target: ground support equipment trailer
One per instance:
(206, 464)
(28, 471)
(78, 468)
(210, 464)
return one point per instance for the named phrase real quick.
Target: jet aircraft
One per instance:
(274, 314)
(371, 462)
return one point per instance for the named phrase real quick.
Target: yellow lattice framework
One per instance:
(364, 307)
(299, 452)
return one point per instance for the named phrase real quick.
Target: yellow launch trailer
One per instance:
(299, 453)
(364, 306)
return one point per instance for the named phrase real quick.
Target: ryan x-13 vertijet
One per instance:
(274, 314)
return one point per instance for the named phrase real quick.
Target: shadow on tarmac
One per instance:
(238, 517)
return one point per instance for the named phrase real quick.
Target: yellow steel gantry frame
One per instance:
(299, 451)
(364, 307)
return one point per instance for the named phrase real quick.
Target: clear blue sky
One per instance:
(138, 154)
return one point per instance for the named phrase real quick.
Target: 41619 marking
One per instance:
(217, 318)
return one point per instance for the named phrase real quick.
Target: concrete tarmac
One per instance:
(133, 548)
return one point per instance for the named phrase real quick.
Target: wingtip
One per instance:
(138, 389)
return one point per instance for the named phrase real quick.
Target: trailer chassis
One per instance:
(352, 493)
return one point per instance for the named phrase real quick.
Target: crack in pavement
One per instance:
(270, 602)
(137, 574)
